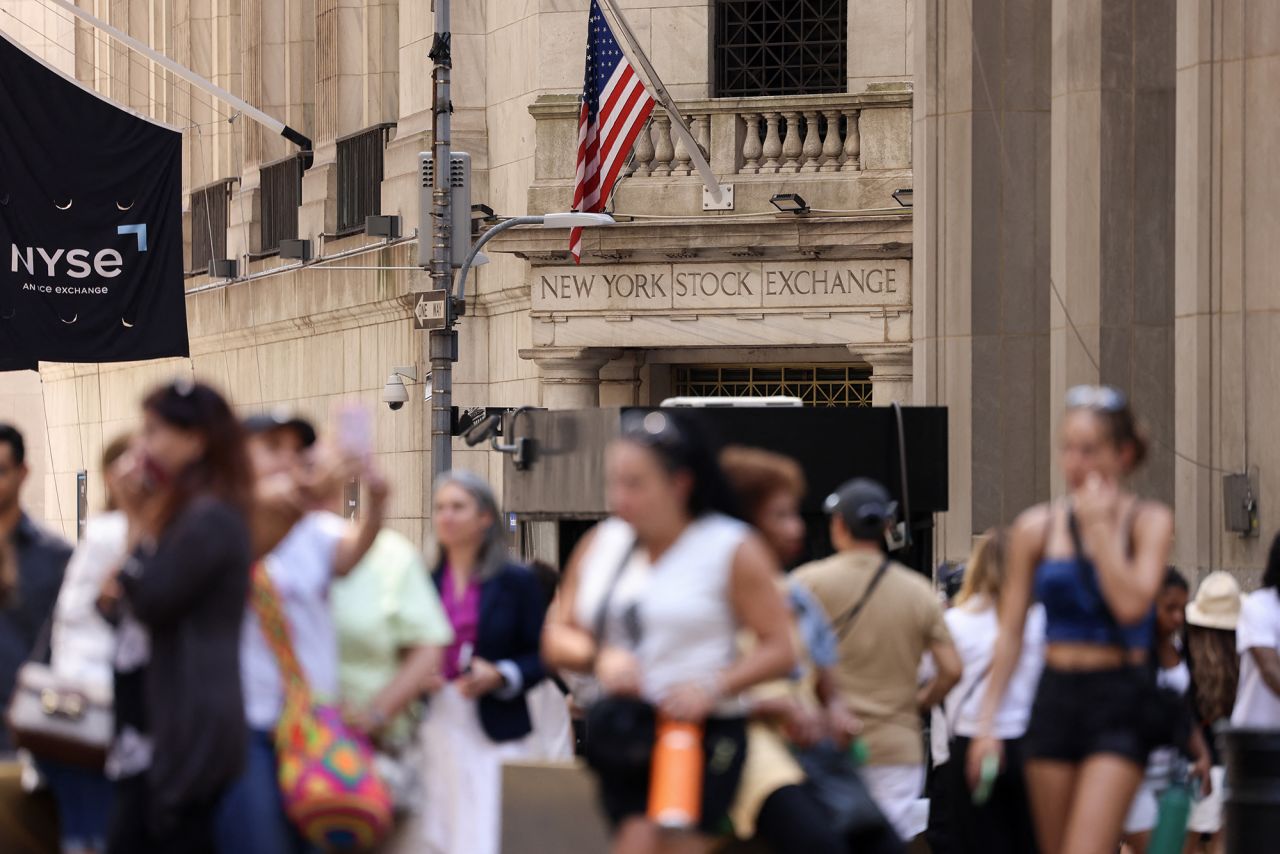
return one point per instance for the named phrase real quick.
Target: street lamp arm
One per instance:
(485, 238)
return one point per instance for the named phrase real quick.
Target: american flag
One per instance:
(615, 107)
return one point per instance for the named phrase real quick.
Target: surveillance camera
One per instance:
(482, 430)
(394, 394)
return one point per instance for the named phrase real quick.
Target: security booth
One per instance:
(554, 469)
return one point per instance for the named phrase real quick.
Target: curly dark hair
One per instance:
(1215, 671)
(1271, 575)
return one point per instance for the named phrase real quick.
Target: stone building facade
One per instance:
(1082, 170)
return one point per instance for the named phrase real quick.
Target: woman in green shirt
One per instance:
(391, 630)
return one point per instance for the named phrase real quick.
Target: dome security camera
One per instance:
(394, 393)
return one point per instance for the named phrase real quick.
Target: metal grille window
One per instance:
(281, 196)
(816, 385)
(780, 47)
(360, 176)
(209, 224)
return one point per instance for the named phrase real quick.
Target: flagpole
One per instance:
(269, 122)
(660, 94)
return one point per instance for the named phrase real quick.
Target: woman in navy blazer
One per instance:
(512, 606)
(480, 718)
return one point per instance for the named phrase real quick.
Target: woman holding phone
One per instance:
(480, 718)
(1095, 561)
(318, 548)
(178, 599)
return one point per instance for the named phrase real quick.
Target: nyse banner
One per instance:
(713, 287)
(90, 224)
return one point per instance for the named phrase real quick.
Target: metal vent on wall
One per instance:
(360, 173)
(209, 210)
(816, 385)
(281, 195)
(780, 47)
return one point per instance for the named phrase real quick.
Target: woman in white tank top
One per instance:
(651, 605)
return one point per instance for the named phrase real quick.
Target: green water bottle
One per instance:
(1170, 833)
(858, 752)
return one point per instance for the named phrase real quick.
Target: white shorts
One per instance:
(1206, 815)
(1143, 810)
(896, 789)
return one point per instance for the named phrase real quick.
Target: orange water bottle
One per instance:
(675, 783)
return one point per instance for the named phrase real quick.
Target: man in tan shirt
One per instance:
(886, 618)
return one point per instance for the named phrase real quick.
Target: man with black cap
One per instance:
(886, 618)
(320, 547)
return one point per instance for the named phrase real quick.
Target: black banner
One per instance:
(90, 224)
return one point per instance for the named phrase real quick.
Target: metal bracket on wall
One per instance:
(725, 203)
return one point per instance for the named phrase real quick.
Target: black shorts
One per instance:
(1081, 714)
(724, 749)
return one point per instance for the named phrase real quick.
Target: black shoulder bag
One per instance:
(620, 731)
(1163, 715)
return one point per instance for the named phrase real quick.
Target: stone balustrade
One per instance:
(790, 135)
(770, 136)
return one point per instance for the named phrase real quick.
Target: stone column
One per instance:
(980, 306)
(1111, 198)
(570, 376)
(1226, 301)
(891, 374)
(620, 380)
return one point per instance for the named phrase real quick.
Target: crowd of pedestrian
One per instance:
(226, 664)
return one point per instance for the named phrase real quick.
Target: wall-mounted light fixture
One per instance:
(903, 196)
(792, 203)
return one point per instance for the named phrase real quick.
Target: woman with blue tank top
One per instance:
(1095, 561)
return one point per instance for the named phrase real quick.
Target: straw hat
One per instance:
(1217, 602)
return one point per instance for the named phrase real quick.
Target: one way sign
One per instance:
(428, 312)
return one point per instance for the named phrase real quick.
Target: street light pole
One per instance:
(442, 344)
(573, 219)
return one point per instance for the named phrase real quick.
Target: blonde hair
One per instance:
(984, 572)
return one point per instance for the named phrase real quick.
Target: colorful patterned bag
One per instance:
(326, 771)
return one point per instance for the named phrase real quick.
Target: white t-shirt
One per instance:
(1259, 627)
(302, 569)
(675, 615)
(974, 633)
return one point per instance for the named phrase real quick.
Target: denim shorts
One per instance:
(1078, 714)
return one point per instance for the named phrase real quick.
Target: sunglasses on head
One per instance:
(652, 428)
(1103, 398)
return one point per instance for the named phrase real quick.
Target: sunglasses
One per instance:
(656, 429)
(1103, 398)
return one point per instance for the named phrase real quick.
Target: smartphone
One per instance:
(355, 431)
(154, 476)
(465, 653)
